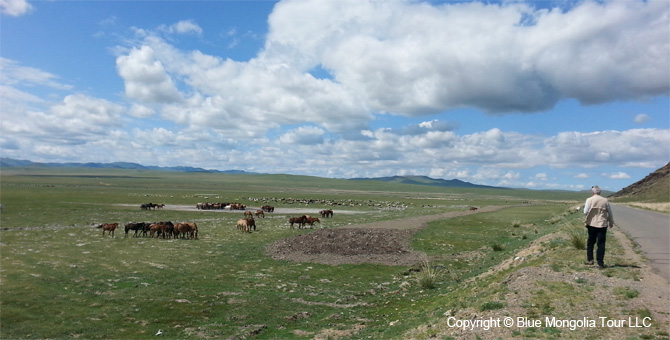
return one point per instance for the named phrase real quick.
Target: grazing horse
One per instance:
(326, 213)
(137, 227)
(246, 224)
(299, 220)
(189, 230)
(161, 229)
(268, 208)
(248, 214)
(109, 227)
(473, 208)
(260, 213)
(311, 220)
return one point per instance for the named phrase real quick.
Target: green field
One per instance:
(62, 279)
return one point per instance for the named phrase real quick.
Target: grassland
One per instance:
(61, 279)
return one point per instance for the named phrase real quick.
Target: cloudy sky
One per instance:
(540, 95)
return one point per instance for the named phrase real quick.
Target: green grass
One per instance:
(62, 279)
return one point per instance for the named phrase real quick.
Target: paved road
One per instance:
(651, 230)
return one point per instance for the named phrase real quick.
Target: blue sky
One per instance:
(539, 95)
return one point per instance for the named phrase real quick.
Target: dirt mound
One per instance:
(384, 242)
(348, 245)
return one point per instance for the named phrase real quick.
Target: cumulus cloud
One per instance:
(145, 77)
(304, 135)
(15, 7)
(413, 58)
(641, 118)
(183, 27)
(617, 175)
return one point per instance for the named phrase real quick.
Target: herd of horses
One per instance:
(151, 206)
(189, 230)
(220, 206)
(184, 230)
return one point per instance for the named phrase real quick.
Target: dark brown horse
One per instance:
(137, 227)
(299, 220)
(109, 227)
(326, 213)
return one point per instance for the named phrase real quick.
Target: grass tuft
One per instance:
(428, 275)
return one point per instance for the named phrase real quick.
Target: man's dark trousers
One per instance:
(596, 236)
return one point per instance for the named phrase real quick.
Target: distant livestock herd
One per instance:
(189, 230)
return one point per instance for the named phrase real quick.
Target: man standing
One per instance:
(598, 218)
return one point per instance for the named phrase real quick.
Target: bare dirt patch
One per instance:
(386, 242)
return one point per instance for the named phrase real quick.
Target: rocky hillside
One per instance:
(653, 188)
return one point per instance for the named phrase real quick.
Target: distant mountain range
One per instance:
(12, 163)
(424, 180)
(416, 180)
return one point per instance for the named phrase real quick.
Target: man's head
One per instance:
(595, 190)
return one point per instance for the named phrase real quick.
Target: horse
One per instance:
(260, 213)
(311, 220)
(137, 227)
(326, 213)
(109, 227)
(248, 214)
(246, 224)
(161, 229)
(473, 208)
(299, 220)
(186, 229)
(268, 208)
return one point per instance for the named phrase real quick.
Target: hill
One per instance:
(424, 180)
(653, 188)
(12, 163)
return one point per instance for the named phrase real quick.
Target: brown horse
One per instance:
(260, 213)
(311, 220)
(109, 227)
(246, 224)
(299, 220)
(189, 230)
(326, 213)
(473, 208)
(160, 229)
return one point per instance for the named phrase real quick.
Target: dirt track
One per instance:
(384, 242)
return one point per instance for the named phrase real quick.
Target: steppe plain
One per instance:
(360, 274)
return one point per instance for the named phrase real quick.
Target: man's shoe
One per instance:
(588, 263)
(602, 266)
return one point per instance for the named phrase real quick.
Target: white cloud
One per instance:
(141, 111)
(581, 176)
(15, 7)
(641, 118)
(185, 27)
(413, 58)
(11, 73)
(145, 77)
(304, 135)
(616, 175)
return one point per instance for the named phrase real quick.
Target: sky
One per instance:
(538, 94)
